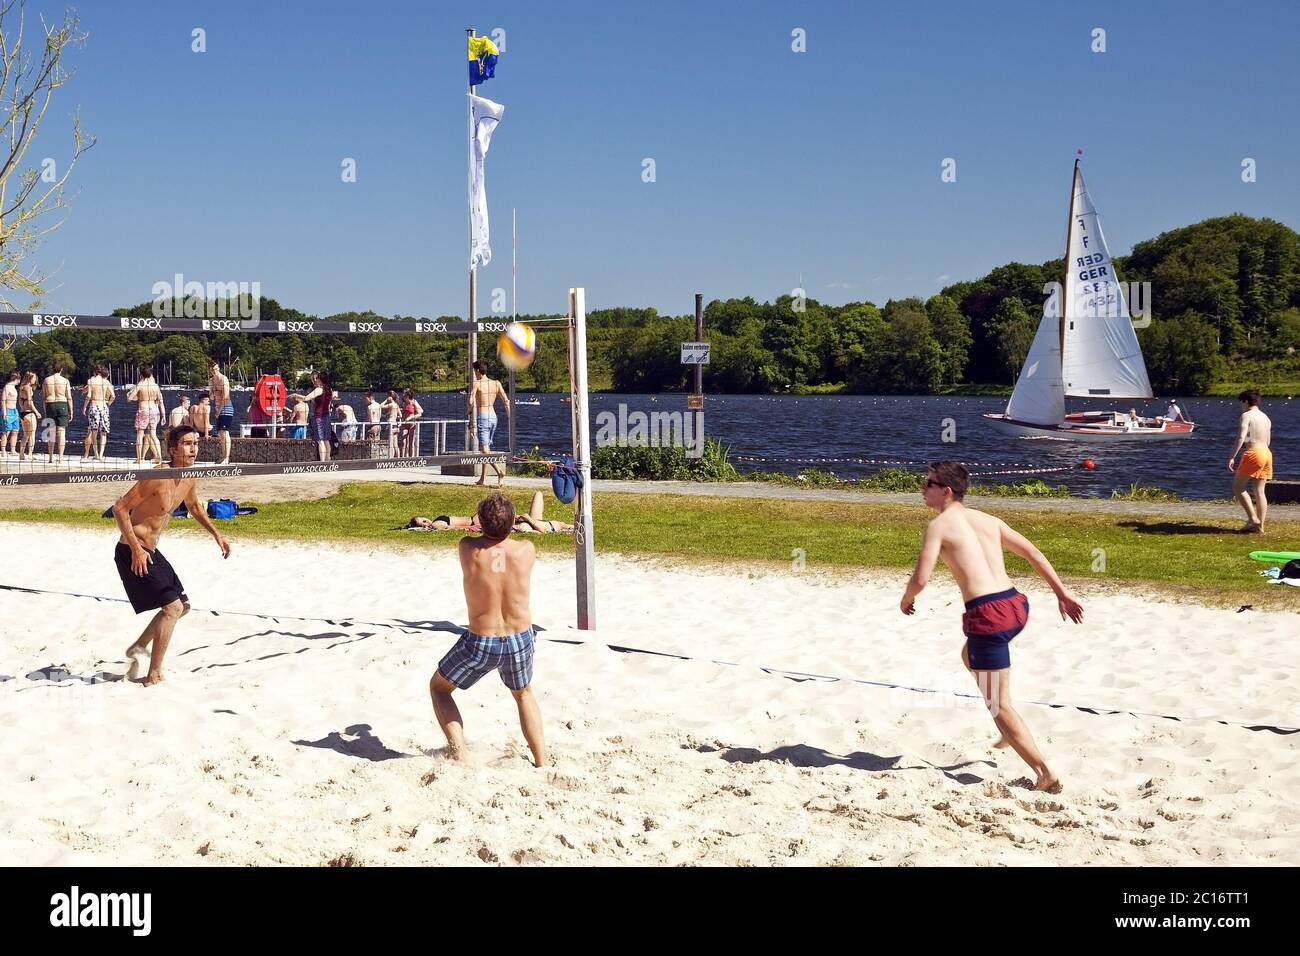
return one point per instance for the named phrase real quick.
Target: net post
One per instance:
(583, 536)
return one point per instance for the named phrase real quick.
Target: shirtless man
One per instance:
(373, 410)
(497, 574)
(10, 425)
(348, 419)
(482, 404)
(1255, 434)
(99, 396)
(298, 418)
(180, 414)
(149, 411)
(57, 393)
(223, 409)
(142, 515)
(971, 544)
(200, 416)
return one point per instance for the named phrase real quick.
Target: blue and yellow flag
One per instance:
(482, 60)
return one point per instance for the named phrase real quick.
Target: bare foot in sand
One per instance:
(139, 658)
(1048, 783)
(1001, 744)
(155, 677)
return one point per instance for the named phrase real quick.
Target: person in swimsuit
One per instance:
(348, 421)
(971, 545)
(10, 424)
(321, 397)
(180, 414)
(99, 396)
(534, 522)
(393, 406)
(1255, 435)
(219, 389)
(57, 393)
(373, 411)
(497, 576)
(445, 523)
(149, 580)
(530, 523)
(482, 404)
(28, 416)
(412, 411)
(149, 411)
(201, 416)
(297, 421)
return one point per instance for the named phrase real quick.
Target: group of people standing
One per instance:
(321, 415)
(19, 415)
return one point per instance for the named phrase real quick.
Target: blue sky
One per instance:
(225, 165)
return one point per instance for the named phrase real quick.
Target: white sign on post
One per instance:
(695, 353)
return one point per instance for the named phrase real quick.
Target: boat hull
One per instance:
(1092, 427)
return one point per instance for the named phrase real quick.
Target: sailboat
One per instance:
(1085, 347)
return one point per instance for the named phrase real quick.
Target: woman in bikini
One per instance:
(530, 523)
(28, 416)
(412, 412)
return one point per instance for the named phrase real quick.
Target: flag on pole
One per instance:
(486, 115)
(483, 55)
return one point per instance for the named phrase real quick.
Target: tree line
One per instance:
(1225, 294)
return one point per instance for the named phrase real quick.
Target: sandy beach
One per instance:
(294, 726)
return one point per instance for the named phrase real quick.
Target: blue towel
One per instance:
(566, 480)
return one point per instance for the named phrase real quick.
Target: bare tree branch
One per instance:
(27, 86)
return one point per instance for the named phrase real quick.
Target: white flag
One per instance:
(486, 115)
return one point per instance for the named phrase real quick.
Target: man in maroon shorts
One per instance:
(971, 545)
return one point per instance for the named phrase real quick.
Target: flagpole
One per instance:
(471, 429)
(514, 314)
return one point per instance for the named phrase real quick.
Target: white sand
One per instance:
(658, 760)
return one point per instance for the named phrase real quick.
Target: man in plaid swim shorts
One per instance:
(497, 576)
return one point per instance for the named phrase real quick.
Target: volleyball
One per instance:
(517, 346)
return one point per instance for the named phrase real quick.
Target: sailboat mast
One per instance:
(1065, 273)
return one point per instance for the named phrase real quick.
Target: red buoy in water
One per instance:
(1088, 464)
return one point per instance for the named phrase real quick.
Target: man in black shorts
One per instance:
(142, 515)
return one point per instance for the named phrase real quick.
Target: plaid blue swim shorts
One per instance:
(473, 656)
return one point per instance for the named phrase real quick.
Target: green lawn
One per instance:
(1194, 558)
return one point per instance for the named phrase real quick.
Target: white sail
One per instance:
(1039, 395)
(1102, 357)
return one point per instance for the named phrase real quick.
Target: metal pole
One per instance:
(471, 426)
(699, 373)
(514, 314)
(583, 534)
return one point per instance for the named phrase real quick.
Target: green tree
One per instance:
(345, 367)
(855, 343)
(398, 361)
(1180, 354)
(1012, 328)
(952, 331)
(910, 360)
(550, 363)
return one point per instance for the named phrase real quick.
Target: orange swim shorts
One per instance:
(1256, 462)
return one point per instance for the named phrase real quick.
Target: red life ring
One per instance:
(271, 394)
